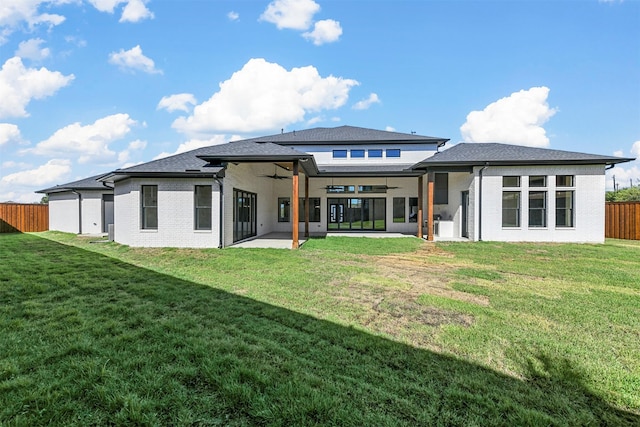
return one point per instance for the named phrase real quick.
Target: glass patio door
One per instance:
(244, 214)
(357, 214)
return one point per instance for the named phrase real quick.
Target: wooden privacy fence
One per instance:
(622, 220)
(15, 217)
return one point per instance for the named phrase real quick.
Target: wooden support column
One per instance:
(420, 203)
(306, 205)
(430, 178)
(295, 207)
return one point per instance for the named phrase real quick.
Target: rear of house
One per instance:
(346, 179)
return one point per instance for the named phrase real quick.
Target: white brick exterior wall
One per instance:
(64, 212)
(176, 205)
(588, 197)
(176, 215)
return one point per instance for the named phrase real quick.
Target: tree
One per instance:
(44, 200)
(630, 194)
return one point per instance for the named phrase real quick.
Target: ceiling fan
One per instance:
(275, 174)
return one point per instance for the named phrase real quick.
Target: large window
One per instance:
(393, 152)
(245, 206)
(413, 209)
(202, 207)
(339, 154)
(314, 209)
(537, 208)
(511, 209)
(564, 209)
(399, 213)
(284, 207)
(149, 207)
(441, 189)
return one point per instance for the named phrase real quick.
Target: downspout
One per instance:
(79, 211)
(221, 213)
(480, 202)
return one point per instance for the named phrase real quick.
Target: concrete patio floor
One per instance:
(283, 240)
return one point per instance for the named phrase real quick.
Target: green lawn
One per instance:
(345, 331)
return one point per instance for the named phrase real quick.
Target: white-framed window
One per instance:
(149, 207)
(537, 209)
(511, 208)
(202, 207)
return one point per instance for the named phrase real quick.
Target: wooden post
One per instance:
(294, 206)
(430, 178)
(420, 202)
(306, 205)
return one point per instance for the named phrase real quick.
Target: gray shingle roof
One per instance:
(480, 153)
(250, 149)
(347, 134)
(90, 183)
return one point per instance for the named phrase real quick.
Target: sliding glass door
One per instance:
(357, 214)
(244, 214)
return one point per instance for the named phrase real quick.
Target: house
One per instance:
(82, 207)
(347, 179)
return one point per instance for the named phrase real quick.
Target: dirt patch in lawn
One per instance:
(389, 294)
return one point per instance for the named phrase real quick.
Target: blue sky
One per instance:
(90, 86)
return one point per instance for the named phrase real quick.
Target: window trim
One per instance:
(544, 209)
(571, 209)
(144, 208)
(196, 208)
(517, 209)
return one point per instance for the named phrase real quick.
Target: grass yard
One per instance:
(344, 332)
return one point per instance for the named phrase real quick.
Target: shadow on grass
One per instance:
(86, 339)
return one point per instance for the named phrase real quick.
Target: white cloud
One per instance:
(14, 12)
(133, 11)
(233, 16)
(19, 85)
(125, 154)
(10, 164)
(9, 132)
(635, 150)
(390, 129)
(516, 119)
(618, 153)
(180, 101)
(366, 103)
(263, 96)
(292, 14)
(196, 143)
(52, 171)
(133, 59)
(326, 31)
(31, 49)
(90, 142)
